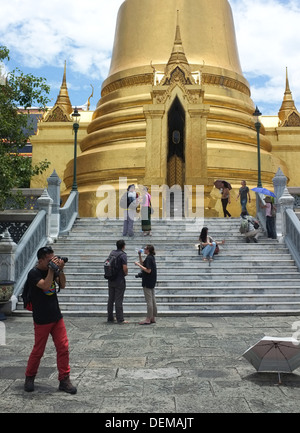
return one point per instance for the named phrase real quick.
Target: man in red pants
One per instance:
(47, 318)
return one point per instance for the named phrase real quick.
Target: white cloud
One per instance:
(268, 39)
(46, 33)
(43, 34)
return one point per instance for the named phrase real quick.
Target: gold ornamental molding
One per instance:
(134, 80)
(147, 79)
(220, 80)
(234, 175)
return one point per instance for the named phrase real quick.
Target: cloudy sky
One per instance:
(41, 35)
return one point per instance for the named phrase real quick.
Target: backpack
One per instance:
(26, 296)
(111, 265)
(244, 226)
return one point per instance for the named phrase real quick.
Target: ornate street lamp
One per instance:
(76, 120)
(256, 115)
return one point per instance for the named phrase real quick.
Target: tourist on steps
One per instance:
(244, 195)
(130, 211)
(149, 275)
(270, 217)
(145, 207)
(117, 286)
(225, 199)
(252, 227)
(208, 245)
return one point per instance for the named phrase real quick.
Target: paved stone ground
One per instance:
(184, 365)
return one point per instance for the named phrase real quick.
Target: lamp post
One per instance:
(256, 115)
(76, 120)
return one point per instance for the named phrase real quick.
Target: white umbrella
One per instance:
(274, 354)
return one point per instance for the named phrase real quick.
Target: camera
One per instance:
(64, 259)
(54, 267)
(139, 275)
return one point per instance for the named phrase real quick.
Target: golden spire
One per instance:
(63, 99)
(288, 105)
(62, 109)
(178, 54)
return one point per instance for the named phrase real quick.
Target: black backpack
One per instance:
(111, 265)
(26, 296)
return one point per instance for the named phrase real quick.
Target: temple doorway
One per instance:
(176, 145)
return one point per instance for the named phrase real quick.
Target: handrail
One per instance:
(68, 214)
(25, 254)
(292, 237)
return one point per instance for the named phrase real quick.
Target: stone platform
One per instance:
(182, 366)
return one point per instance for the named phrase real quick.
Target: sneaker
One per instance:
(29, 384)
(66, 385)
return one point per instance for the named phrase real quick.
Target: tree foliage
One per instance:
(17, 91)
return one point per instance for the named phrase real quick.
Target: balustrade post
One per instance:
(45, 202)
(7, 269)
(54, 192)
(286, 201)
(279, 182)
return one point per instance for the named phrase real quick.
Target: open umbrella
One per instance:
(263, 191)
(274, 354)
(219, 184)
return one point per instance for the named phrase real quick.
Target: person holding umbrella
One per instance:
(224, 188)
(270, 217)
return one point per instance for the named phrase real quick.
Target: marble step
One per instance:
(189, 298)
(192, 276)
(270, 290)
(82, 270)
(192, 307)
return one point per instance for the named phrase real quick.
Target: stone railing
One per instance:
(68, 214)
(30, 196)
(292, 235)
(287, 222)
(25, 254)
(295, 192)
(290, 226)
(16, 222)
(51, 221)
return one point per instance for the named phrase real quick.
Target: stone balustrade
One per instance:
(44, 227)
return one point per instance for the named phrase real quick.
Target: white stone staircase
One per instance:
(243, 278)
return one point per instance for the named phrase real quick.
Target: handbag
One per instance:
(217, 250)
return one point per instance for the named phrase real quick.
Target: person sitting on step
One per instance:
(208, 245)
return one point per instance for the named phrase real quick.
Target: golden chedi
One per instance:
(175, 108)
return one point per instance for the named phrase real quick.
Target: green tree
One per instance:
(17, 91)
